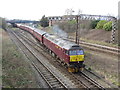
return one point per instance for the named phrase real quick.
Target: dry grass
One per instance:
(103, 64)
(99, 42)
(17, 73)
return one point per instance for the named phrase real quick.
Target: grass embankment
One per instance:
(104, 65)
(17, 73)
(100, 43)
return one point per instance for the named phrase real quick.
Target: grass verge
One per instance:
(100, 43)
(16, 72)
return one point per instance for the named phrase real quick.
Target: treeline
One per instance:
(70, 26)
(44, 22)
(101, 24)
(3, 23)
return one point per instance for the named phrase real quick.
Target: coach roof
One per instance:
(39, 31)
(61, 42)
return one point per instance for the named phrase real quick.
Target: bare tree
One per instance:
(79, 11)
(69, 11)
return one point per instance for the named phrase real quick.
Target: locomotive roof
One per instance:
(61, 42)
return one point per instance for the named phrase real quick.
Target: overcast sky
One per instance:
(35, 9)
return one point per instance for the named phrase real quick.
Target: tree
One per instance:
(79, 11)
(108, 26)
(94, 24)
(69, 11)
(44, 22)
(100, 24)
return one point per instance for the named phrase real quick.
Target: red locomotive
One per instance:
(68, 52)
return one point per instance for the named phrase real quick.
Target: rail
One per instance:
(47, 75)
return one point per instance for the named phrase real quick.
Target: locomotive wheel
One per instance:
(81, 69)
(63, 63)
(50, 51)
(53, 54)
(76, 69)
(57, 57)
(71, 69)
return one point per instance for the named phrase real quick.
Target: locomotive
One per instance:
(69, 53)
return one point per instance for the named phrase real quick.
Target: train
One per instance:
(68, 53)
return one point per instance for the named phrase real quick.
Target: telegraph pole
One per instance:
(77, 39)
(78, 27)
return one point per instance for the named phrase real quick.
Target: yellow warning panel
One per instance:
(75, 58)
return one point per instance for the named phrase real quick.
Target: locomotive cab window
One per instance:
(75, 52)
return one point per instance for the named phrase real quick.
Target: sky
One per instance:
(35, 9)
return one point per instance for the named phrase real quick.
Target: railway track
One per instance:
(88, 82)
(99, 79)
(83, 78)
(106, 49)
(47, 75)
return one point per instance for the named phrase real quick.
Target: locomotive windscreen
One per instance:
(76, 52)
(76, 55)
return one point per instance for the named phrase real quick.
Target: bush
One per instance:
(72, 22)
(94, 24)
(82, 26)
(108, 26)
(101, 24)
(68, 26)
